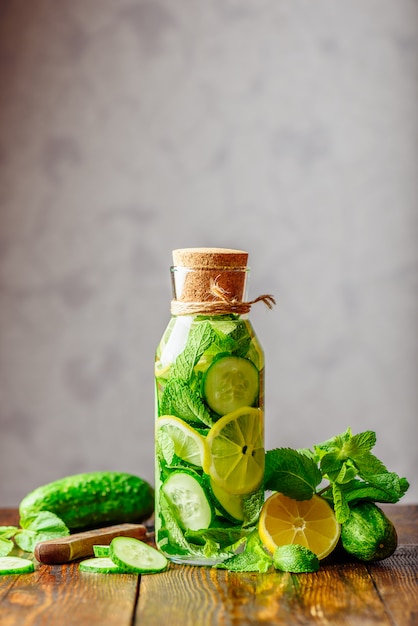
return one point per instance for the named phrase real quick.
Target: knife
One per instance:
(77, 545)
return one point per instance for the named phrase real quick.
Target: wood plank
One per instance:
(63, 595)
(342, 595)
(182, 595)
(396, 580)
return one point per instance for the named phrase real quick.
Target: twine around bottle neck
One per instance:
(223, 305)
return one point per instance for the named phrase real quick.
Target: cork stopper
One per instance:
(197, 269)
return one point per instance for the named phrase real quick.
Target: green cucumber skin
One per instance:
(93, 499)
(368, 534)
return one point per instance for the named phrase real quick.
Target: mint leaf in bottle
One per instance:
(200, 338)
(178, 399)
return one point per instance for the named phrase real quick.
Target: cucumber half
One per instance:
(188, 500)
(230, 383)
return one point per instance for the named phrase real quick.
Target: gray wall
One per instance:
(129, 128)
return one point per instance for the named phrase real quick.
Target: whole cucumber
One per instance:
(368, 534)
(92, 499)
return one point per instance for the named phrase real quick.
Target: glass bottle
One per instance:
(209, 373)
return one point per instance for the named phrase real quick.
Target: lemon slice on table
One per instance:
(234, 456)
(310, 523)
(187, 443)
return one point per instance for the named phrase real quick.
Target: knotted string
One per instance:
(221, 306)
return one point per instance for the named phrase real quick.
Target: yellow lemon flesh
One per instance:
(234, 457)
(310, 523)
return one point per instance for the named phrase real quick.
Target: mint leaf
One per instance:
(251, 506)
(8, 532)
(200, 338)
(254, 558)
(388, 487)
(165, 447)
(179, 400)
(232, 337)
(341, 508)
(223, 537)
(6, 546)
(368, 465)
(333, 444)
(336, 470)
(292, 473)
(6, 535)
(295, 558)
(347, 455)
(40, 527)
(309, 453)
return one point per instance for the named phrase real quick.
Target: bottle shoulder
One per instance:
(212, 335)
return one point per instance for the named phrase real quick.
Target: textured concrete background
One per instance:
(129, 128)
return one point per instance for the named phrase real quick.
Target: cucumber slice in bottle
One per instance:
(188, 500)
(230, 383)
(136, 556)
(15, 565)
(101, 565)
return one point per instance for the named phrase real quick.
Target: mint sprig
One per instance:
(40, 527)
(353, 473)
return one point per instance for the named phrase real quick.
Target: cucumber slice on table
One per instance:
(136, 556)
(188, 500)
(230, 383)
(101, 550)
(100, 565)
(15, 565)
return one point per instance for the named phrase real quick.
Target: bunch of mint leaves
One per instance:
(345, 463)
(33, 529)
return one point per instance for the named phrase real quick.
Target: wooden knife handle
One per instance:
(78, 545)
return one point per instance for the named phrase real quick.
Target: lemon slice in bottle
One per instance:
(234, 457)
(188, 444)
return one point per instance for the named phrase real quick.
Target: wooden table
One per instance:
(384, 594)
